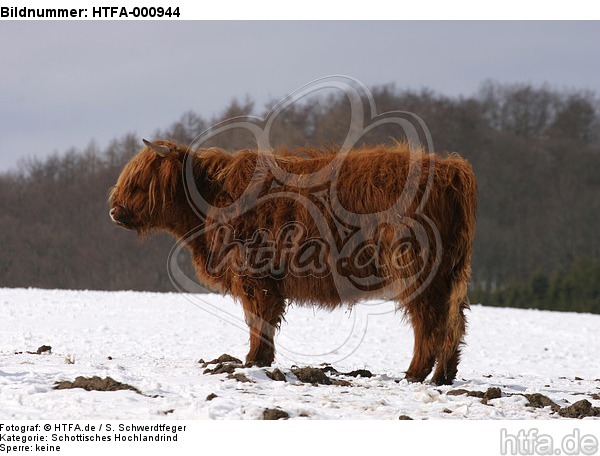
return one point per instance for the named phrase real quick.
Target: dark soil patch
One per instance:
(222, 368)
(240, 378)
(355, 373)
(339, 382)
(211, 396)
(39, 351)
(95, 384)
(275, 414)
(404, 417)
(224, 364)
(538, 400)
(224, 358)
(579, 409)
(328, 368)
(460, 392)
(43, 349)
(491, 393)
(359, 373)
(276, 375)
(312, 375)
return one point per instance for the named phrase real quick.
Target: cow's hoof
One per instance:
(414, 379)
(440, 381)
(258, 363)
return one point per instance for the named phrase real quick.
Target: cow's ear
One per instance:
(161, 150)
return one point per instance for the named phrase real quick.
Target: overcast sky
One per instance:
(63, 84)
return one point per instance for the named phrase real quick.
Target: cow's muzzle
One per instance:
(121, 217)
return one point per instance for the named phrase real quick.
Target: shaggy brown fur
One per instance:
(377, 222)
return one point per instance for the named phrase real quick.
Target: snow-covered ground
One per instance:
(153, 342)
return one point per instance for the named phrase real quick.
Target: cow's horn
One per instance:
(161, 150)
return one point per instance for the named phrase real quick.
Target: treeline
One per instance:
(577, 290)
(535, 151)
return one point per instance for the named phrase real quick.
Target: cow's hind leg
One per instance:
(448, 355)
(263, 311)
(426, 326)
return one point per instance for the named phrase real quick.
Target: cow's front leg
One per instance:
(263, 310)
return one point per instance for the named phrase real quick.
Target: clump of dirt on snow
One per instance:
(275, 414)
(538, 400)
(39, 351)
(222, 368)
(276, 375)
(95, 384)
(43, 349)
(358, 373)
(312, 375)
(318, 375)
(224, 364)
(224, 358)
(355, 373)
(490, 393)
(579, 409)
(460, 392)
(240, 378)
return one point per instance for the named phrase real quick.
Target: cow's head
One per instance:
(144, 194)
